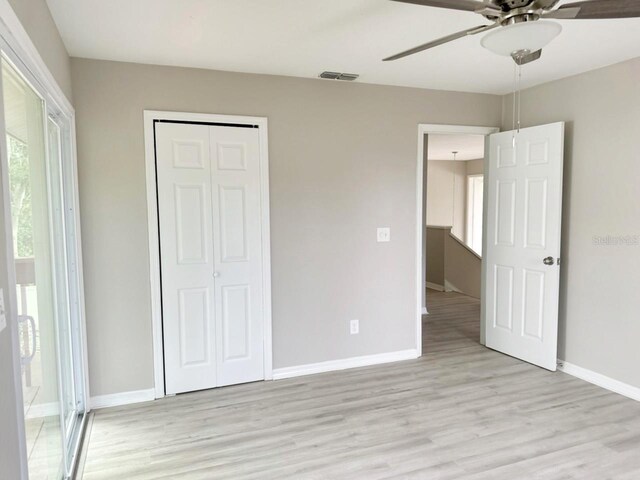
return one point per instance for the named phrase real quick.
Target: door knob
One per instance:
(548, 261)
(216, 274)
(28, 319)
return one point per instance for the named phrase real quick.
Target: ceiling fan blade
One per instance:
(545, 4)
(563, 13)
(440, 41)
(466, 5)
(597, 9)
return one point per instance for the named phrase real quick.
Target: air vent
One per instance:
(349, 77)
(330, 75)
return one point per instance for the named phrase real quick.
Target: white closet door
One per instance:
(524, 212)
(186, 245)
(211, 259)
(235, 166)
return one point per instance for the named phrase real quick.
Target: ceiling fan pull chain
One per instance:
(519, 67)
(517, 95)
(513, 114)
(514, 105)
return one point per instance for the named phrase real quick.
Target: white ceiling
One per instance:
(469, 147)
(304, 37)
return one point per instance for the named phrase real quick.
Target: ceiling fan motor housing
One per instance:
(507, 5)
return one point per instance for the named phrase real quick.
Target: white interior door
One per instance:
(524, 188)
(211, 259)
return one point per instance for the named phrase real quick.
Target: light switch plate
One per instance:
(384, 234)
(354, 327)
(3, 315)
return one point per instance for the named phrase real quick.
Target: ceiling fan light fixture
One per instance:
(531, 36)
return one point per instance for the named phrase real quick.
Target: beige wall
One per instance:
(343, 162)
(37, 21)
(600, 305)
(446, 194)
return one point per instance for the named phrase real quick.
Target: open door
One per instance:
(523, 219)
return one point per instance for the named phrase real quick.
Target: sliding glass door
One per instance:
(47, 289)
(62, 235)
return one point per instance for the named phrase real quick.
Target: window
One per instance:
(475, 189)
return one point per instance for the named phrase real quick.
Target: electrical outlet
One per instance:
(3, 315)
(354, 327)
(384, 234)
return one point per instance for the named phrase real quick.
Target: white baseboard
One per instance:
(43, 410)
(600, 380)
(450, 287)
(343, 364)
(124, 398)
(435, 286)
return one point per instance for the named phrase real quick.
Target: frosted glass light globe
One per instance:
(529, 36)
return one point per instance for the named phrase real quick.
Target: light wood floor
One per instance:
(459, 412)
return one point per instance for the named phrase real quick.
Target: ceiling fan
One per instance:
(521, 30)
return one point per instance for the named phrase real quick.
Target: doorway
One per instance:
(521, 238)
(209, 177)
(450, 162)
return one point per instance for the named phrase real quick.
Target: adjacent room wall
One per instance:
(435, 255)
(446, 195)
(451, 265)
(38, 22)
(599, 302)
(475, 167)
(343, 162)
(462, 267)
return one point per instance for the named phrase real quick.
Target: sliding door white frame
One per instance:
(17, 47)
(425, 130)
(150, 117)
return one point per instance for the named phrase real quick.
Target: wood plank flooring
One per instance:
(459, 412)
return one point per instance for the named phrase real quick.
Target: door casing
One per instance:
(150, 118)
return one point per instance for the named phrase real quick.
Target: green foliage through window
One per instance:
(20, 184)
